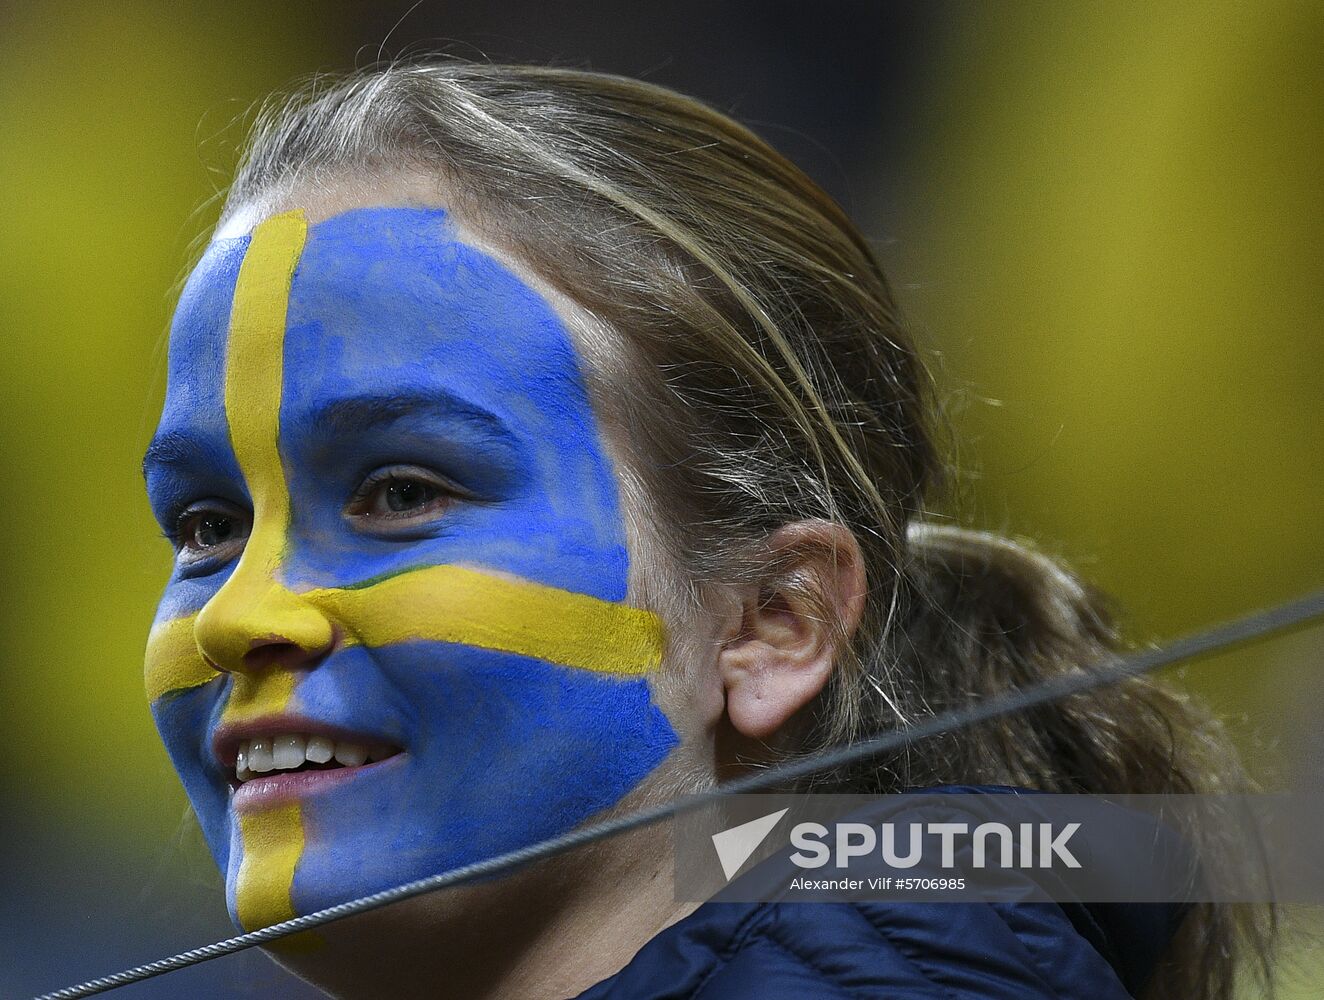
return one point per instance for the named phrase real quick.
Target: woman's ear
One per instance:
(792, 626)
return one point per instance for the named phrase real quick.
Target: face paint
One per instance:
(486, 639)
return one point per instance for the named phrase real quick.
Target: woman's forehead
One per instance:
(384, 300)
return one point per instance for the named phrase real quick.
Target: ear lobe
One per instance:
(793, 627)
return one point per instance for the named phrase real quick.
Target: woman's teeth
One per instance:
(290, 751)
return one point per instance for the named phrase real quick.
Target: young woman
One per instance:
(540, 444)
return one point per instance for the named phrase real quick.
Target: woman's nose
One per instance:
(255, 624)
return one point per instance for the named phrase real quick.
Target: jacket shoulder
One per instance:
(901, 951)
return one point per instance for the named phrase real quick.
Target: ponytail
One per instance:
(979, 615)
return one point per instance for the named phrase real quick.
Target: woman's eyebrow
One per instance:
(368, 412)
(350, 415)
(178, 448)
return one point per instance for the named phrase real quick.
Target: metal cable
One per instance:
(1110, 671)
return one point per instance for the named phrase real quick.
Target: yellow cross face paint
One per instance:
(249, 607)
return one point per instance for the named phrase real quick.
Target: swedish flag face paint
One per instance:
(398, 531)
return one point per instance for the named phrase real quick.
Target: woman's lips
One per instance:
(262, 791)
(282, 757)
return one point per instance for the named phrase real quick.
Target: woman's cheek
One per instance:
(182, 718)
(505, 750)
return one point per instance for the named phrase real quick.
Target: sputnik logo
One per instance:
(734, 846)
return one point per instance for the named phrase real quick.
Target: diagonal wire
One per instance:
(1251, 627)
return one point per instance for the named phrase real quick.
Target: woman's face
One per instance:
(395, 638)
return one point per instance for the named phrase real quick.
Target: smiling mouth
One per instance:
(292, 753)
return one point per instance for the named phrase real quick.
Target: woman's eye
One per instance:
(205, 533)
(400, 496)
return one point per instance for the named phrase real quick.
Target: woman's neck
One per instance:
(541, 934)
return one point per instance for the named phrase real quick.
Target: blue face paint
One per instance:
(404, 347)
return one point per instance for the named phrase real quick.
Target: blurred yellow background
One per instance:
(1107, 219)
(1119, 220)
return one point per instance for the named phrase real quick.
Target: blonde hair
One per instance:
(768, 378)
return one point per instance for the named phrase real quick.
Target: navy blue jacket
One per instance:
(900, 951)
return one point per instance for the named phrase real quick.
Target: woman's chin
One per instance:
(330, 873)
